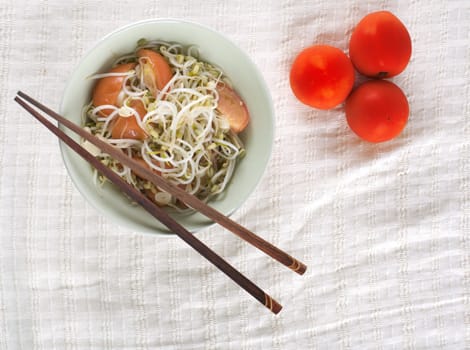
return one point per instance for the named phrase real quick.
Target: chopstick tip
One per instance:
(276, 307)
(297, 266)
(272, 304)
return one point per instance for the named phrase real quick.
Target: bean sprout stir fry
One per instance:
(183, 135)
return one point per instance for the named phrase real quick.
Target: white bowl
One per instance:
(214, 48)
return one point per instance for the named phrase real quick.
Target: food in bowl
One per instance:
(173, 113)
(212, 47)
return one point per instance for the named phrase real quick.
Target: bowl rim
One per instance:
(168, 20)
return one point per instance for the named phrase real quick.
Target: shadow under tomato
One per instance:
(332, 136)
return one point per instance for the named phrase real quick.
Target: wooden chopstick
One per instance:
(160, 214)
(192, 201)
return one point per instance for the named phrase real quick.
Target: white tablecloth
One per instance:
(384, 229)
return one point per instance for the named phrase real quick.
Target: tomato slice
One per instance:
(157, 71)
(145, 165)
(142, 162)
(127, 127)
(107, 89)
(232, 106)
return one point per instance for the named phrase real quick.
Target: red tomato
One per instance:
(377, 110)
(321, 76)
(107, 89)
(232, 106)
(157, 71)
(380, 45)
(127, 127)
(145, 165)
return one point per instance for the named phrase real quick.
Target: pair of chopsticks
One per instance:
(161, 215)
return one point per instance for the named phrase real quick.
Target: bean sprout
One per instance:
(189, 143)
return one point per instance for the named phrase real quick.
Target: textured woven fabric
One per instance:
(384, 229)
